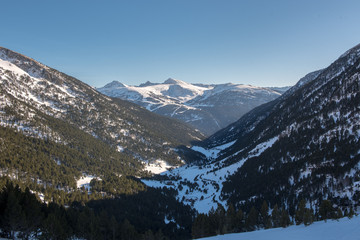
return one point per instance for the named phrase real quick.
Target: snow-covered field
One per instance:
(205, 193)
(157, 167)
(344, 229)
(200, 186)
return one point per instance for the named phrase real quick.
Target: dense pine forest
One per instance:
(133, 216)
(221, 221)
(149, 215)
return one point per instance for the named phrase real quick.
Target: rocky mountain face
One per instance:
(303, 145)
(208, 108)
(42, 103)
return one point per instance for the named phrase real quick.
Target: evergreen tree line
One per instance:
(220, 221)
(49, 167)
(23, 216)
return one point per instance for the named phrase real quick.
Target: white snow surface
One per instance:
(85, 180)
(201, 186)
(197, 104)
(169, 92)
(119, 148)
(344, 229)
(177, 92)
(11, 67)
(158, 166)
(260, 148)
(207, 193)
(35, 83)
(213, 152)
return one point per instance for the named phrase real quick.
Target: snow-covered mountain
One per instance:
(208, 108)
(73, 146)
(304, 144)
(43, 103)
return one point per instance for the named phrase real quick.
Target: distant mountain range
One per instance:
(302, 145)
(208, 108)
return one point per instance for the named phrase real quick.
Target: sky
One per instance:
(257, 42)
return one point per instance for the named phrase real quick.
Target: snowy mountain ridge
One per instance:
(304, 144)
(32, 93)
(72, 147)
(206, 107)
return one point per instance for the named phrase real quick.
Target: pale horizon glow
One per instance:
(260, 43)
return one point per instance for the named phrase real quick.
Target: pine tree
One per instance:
(128, 231)
(300, 212)
(351, 213)
(213, 222)
(230, 221)
(55, 227)
(14, 217)
(113, 226)
(275, 216)
(252, 219)
(285, 219)
(32, 211)
(200, 227)
(339, 214)
(149, 235)
(264, 215)
(326, 210)
(239, 222)
(220, 215)
(308, 217)
(160, 236)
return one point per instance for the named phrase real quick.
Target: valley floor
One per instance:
(343, 229)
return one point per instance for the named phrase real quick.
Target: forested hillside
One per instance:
(54, 131)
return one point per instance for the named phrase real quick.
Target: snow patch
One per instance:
(85, 180)
(158, 166)
(11, 67)
(212, 152)
(119, 148)
(260, 148)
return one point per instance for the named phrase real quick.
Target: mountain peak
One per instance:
(114, 84)
(203, 106)
(173, 81)
(148, 83)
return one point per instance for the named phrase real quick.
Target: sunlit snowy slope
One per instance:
(206, 107)
(343, 229)
(41, 102)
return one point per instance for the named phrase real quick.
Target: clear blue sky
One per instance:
(258, 42)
